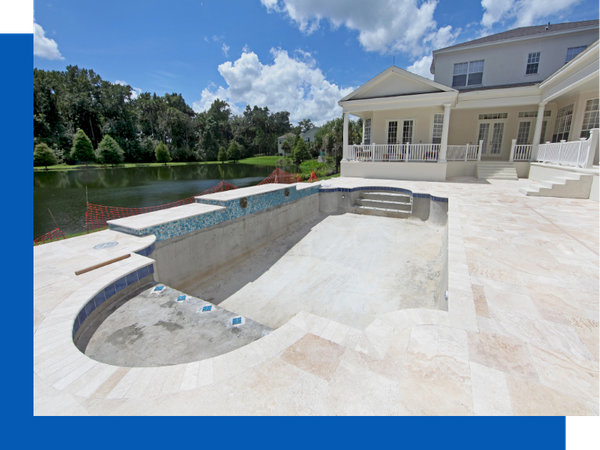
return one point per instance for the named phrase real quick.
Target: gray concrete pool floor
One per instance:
(149, 330)
(344, 267)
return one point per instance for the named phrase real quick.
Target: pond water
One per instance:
(63, 193)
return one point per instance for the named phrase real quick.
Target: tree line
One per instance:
(74, 103)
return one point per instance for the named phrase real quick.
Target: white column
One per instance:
(345, 151)
(593, 146)
(445, 127)
(511, 158)
(537, 134)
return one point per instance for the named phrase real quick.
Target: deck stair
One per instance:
(569, 185)
(388, 204)
(496, 169)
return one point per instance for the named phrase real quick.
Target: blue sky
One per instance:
(295, 55)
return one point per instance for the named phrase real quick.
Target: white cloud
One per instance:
(225, 49)
(44, 47)
(524, 12)
(135, 92)
(421, 67)
(384, 26)
(289, 84)
(246, 49)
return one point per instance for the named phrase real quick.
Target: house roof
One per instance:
(386, 85)
(524, 32)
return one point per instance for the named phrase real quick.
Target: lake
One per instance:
(64, 192)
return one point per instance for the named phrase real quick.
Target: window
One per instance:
(533, 63)
(438, 125)
(468, 74)
(562, 126)
(493, 116)
(367, 132)
(407, 130)
(590, 118)
(533, 114)
(572, 52)
(523, 133)
(543, 134)
(392, 132)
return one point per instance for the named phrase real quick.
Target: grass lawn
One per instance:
(65, 167)
(262, 160)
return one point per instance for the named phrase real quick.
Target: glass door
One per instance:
(484, 132)
(496, 144)
(524, 133)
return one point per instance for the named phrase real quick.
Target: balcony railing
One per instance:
(573, 153)
(412, 152)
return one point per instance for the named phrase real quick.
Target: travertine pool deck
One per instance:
(520, 336)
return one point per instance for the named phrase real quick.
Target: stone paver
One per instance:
(520, 336)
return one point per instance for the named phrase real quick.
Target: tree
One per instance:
(234, 152)
(305, 125)
(43, 156)
(162, 153)
(109, 151)
(300, 153)
(288, 143)
(82, 149)
(222, 156)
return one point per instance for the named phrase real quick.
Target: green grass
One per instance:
(262, 160)
(66, 167)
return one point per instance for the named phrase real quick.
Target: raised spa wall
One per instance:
(201, 244)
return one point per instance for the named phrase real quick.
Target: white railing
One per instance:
(394, 152)
(462, 152)
(573, 153)
(522, 152)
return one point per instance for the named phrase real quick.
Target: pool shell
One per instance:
(194, 246)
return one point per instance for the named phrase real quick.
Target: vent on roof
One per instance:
(548, 26)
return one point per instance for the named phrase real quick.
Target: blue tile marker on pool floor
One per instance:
(207, 308)
(157, 290)
(237, 321)
(181, 298)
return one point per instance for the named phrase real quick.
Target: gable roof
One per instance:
(396, 82)
(525, 32)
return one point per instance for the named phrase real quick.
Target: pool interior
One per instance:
(326, 260)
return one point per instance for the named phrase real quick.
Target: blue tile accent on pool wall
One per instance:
(383, 188)
(232, 210)
(108, 292)
(147, 251)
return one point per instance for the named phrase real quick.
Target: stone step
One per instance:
(387, 196)
(373, 211)
(498, 170)
(385, 204)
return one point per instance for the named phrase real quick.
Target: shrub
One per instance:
(109, 152)
(162, 153)
(222, 156)
(43, 156)
(234, 152)
(301, 153)
(82, 149)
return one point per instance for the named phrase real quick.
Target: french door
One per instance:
(400, 131)
(524, 132)
(492, 134)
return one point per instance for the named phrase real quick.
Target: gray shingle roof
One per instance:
(525, 32)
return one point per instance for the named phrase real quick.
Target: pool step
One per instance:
(386, 204)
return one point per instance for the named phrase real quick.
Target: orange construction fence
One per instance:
(280, 176)
(54, 235)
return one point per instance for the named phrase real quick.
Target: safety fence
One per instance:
(54, 235)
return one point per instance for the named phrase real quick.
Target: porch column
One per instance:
(345, 151)
(538, 131)
(593, 147)
(445, 127)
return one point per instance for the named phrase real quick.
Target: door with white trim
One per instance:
(524, 132)
(492, 135)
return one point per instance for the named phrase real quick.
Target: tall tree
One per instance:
(82, 148)
(43, 156)
(109, 151)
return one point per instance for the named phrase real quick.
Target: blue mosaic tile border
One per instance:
(109, 291)
(386, 189)
(232, 210)
(147, 251)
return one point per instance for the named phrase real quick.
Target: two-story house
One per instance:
(308, 136)
(493, 100)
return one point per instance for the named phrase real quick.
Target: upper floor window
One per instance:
(572, 52)
(533, 63)
(468, 74)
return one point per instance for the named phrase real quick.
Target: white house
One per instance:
(492, 103)
(308, 137)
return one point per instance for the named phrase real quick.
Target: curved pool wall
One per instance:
(230, 226)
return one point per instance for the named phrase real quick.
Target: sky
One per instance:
(300, 56)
